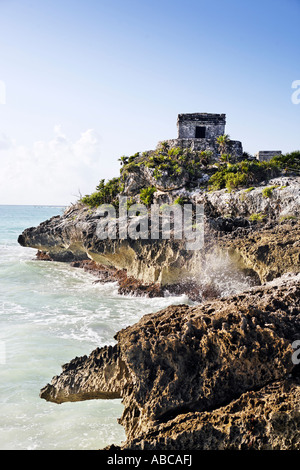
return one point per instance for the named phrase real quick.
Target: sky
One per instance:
(85, 82)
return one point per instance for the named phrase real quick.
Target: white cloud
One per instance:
(49, 172)
(5, 142)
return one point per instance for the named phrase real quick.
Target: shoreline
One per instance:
(188, 374)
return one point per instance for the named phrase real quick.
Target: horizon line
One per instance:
(34, 205)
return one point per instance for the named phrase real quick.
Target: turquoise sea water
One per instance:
(49, 314)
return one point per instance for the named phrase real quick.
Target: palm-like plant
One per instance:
(222, 142)
(165, 145)
(123, 160)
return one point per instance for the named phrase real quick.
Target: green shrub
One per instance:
(157, 174)
(217, 181)
(130, 201)
(252, 171)
(225, 157)
(289, 161)
(205, 157)
(92, 200)
(267, 192)
(146, 195)
(106, 193)
(133, 157)
(181, 201)
(175, 161)
(174, 151)
(235, 180)
(257, 217)
(164, 145)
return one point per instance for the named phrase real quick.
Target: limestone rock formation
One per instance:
(100, 375)
(264, 419)
(217, 375)
(269, 251)
(73, 237)
(264, 250)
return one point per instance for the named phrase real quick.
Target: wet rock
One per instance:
(100, 375)
(42, 256)
(183, 371)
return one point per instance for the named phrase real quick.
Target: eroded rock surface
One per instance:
(102, 374)
(263, 249)
(270, 251)
(265, 419)
(197, 377)
(74, 237)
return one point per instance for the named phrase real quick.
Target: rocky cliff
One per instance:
(261, 247)
(223, 373)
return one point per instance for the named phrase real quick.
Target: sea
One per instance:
(50, 313)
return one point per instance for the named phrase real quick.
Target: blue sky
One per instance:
(89, 81)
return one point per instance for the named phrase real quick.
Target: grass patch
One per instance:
(257, 217)
(287, 217)
(242, 174)
(146, 195)
(267, 192)
(106, 193)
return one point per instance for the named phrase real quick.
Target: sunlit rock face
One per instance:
(236, 251)
(188, 372)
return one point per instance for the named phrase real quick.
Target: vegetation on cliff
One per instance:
(165, 167)
(242, 174)
(174, 162)
(288, 162)
(106, 193)
(171, 164)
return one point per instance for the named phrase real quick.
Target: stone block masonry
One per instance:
(199, 131)
(267, 155)
(201, 125)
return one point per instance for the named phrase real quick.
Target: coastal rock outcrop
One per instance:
(275, 199)
(199, 377)
(222, 373)
(263, 247)
(270, 251)
(264, 419)
(100, 375)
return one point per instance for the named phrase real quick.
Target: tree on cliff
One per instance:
(222, 142)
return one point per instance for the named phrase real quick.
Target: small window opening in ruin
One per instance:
(200, 132)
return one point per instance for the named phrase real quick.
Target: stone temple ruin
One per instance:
(199, 131)
(201, 126)
(267, 155)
